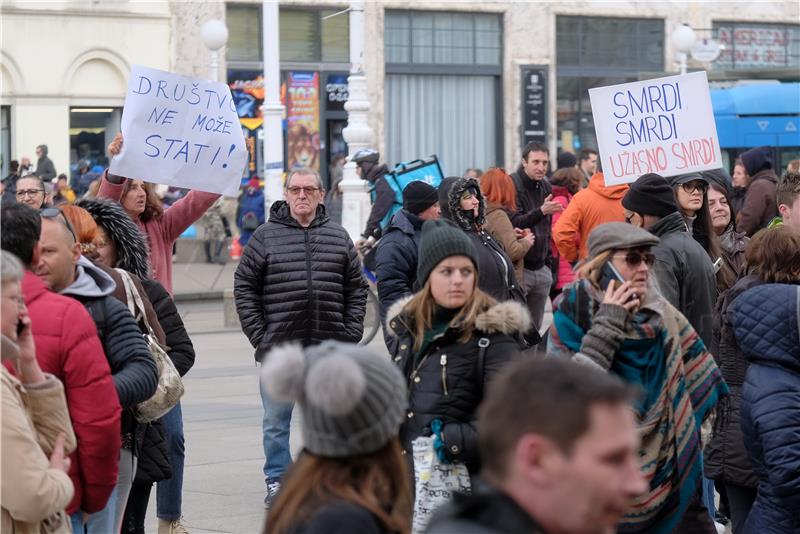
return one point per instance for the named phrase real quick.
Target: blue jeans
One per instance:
(99, 522)
(275, 428)
(169, 493)
(708, 497)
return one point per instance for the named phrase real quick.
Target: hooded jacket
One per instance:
(299, 284)
(44, 166)
(396, 259)
(766, 321)
(162, 232)
(445, 381)
(530, 197)
(133, 368)
(759, 206)
(382, 196)
(589, 208)
(33, 417)
(251, 201)
(684, 274)
(496, 274)
(67, 346)
(498, 224)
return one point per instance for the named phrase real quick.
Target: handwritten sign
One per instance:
(664, 126)
(181, 131)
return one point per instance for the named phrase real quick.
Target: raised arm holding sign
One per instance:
(663, 126)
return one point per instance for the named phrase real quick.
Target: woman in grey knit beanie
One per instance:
(351, 476)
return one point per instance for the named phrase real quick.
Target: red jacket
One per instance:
(163, 231)
(565, 273)
(67, 346)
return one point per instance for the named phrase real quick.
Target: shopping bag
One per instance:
(434, 482)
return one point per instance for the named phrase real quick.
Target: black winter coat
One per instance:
(179, 345)
(685, 274)
(447, 382)
(725, 458)
(766, 321)
(153, 459)
(299, 284)
(338, 517)
(530, 197)
(496, 275)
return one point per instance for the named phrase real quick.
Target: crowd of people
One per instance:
(668, 380)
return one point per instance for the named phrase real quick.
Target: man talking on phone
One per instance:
(683, 269)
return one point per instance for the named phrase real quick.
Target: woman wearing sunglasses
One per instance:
(614, 317)
(691, 195)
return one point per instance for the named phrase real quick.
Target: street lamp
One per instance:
(214, 34)
(683, 39)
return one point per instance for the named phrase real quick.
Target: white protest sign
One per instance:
(180, 131)
(664, 126)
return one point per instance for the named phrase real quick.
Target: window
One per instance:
(437, 38)
(750, 45)
(244, 31)
(5, 140)
(90, 132)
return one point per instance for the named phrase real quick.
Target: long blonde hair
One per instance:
(591, 268)
(422, 306)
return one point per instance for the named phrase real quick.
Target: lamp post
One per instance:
(272, 109)
(683, 39)
(214, 34)
(358, 134)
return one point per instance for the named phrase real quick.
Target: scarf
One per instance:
(663, 355)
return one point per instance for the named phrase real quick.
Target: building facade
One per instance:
(469, 82)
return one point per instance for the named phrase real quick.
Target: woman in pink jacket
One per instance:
(162, 226)
(566, 183)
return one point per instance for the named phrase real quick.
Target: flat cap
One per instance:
(617, 235)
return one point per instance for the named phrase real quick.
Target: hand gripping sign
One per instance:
(663, 126)
(180, 131)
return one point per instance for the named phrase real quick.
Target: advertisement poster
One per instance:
(247, 88)
(302, 116)
(664, 126)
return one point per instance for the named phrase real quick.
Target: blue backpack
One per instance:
(425, 170)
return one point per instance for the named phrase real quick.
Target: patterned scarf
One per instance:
(662, 354)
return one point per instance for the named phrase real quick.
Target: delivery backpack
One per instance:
(424, 170)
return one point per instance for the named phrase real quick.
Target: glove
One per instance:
(438, 443)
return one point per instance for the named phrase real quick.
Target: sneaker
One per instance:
(721, 529)
(272, 492)
(171, 526)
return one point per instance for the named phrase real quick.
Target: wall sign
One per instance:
(534, 103)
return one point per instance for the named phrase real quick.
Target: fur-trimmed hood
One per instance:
(507, 317)
(129, 241)
(450, 192)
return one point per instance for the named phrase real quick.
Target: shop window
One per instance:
(335, 37)
(299, 35)
(90, 132)
(749, 45)
(244, 33)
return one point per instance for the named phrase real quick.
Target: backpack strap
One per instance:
(135, 303)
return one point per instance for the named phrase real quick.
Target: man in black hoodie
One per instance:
(535, 206)
(559, 446)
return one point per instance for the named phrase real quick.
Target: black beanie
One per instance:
(419, 196)
(566, 160)
(757, 159)
(651, 194)
(440, 240)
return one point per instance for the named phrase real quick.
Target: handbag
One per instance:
(170, 386)
(434, 481)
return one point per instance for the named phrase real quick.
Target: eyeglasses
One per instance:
(634, 259)
(306, 190)
(629, 218)
(53, 213)
(22, 193)
(691, 187)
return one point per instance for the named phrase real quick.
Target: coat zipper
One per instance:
(443, 363)
(310, 289)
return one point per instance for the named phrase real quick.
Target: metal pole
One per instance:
(272, 109)
(213, 73)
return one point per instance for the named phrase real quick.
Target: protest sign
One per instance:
(663, 126)
(180, 131)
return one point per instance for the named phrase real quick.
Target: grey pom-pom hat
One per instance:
(352, 400)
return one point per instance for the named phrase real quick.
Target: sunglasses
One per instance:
(53, 213)
(691, 187)
(634, 259)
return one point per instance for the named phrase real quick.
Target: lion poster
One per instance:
(302, 117)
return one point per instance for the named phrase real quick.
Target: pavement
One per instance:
(201, 281)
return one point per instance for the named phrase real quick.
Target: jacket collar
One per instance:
(279, 213)
(406, 222)
(490, 508)
(670, 224)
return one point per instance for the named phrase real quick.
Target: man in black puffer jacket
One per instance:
(299, 280)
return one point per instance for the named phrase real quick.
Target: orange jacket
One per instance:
(590, 207)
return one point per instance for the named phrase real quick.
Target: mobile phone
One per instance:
(608, 274)
(718, 265)
(20, 327)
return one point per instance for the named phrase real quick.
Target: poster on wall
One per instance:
(664, 126)
(180, 131)
(247, 88)
(302, 117)
(534, 103)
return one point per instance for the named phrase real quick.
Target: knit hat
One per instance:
(566, 160)
(440, 240)
(686, 178)
(757, 159)
(419, 196)
(352, 400)
(650, 195)
(617, 235)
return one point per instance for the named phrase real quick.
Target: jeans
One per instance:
(538, 283)
(275, 428)
(169, 493)
(109, 519)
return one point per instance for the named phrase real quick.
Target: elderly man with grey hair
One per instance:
(299, 280)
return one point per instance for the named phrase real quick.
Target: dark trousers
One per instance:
(740, 500)
(136, 510)
(696, 519)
